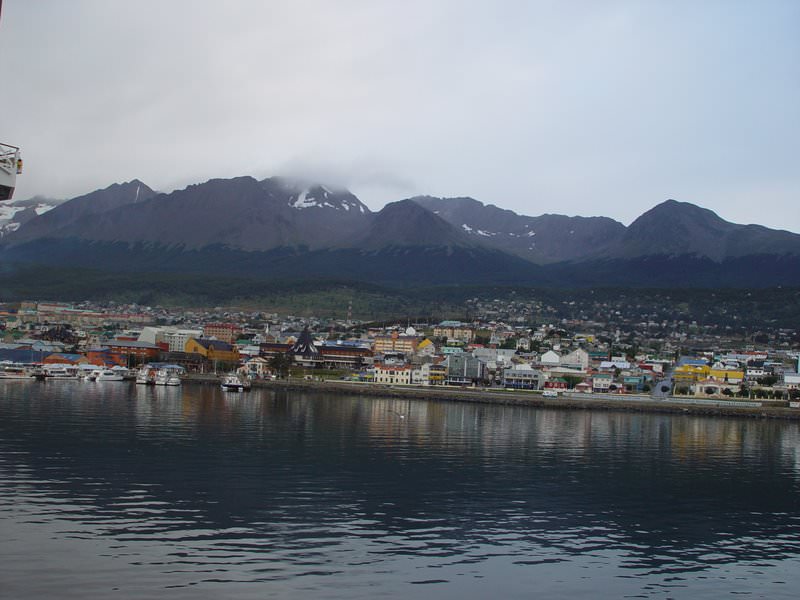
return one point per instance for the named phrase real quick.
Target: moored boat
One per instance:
(233, 382)
(15, 371)
(107, 375)
(167, 377)
(59, 371)
(146, 375)
(160, 374)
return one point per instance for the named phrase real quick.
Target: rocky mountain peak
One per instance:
(407, 223)
(304, 195)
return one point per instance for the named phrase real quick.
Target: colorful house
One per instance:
(213, 350)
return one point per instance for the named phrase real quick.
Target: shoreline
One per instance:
(631, 403)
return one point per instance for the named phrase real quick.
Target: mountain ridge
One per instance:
(291, 228)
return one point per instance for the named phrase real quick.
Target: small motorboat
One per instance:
(233, 382)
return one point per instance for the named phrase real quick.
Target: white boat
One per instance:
(15, 371)
(146, 376)
(233, 382)
(60, 371)
(167, 377)
(107, 375)
(87, 372)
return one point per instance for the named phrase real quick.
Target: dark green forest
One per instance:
(769, 308)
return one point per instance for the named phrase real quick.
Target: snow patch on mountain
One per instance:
(309, 198)
(10, 212)
(304, 200)
(7, 212)
(469, 229)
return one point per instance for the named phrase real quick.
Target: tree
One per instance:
(768, 380)
(509, 344)
(572, 380)
(281, 362)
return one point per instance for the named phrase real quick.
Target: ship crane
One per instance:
(10, 167)
(10, 164)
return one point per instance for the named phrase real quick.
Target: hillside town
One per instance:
(576, 356)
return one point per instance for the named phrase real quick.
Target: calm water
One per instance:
(109, 490)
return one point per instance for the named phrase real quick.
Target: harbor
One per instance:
(173, 375)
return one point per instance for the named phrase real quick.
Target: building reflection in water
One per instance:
(279, 477)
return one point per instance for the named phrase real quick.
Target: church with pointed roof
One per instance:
(305, 352)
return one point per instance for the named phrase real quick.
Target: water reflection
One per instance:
(185, 490)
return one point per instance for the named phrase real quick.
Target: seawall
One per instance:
(525, 398)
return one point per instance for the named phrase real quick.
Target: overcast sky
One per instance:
(581, 108)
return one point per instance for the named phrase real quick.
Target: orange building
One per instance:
(103, 357)
(224, 332)
(142, 351)
(407, 344)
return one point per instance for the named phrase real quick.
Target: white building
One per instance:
(614, 363)
(428, 374)
(550, 358)
(791, 380)
(523, 377)
(149, 334)
(577, 359)
(392, 374)
(177, 338)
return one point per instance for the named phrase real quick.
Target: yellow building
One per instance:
(406, 344)
(454, 331)
(426, 348)
(438, 373)
(213, 350)
(690, 373)
(726, 375)
(695, 373)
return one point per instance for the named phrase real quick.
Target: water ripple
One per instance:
(189, 493)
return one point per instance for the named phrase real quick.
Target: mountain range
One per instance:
(289, 229)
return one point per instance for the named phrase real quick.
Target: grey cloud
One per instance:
(575, 107)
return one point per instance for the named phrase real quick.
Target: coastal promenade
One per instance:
(575, 401)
